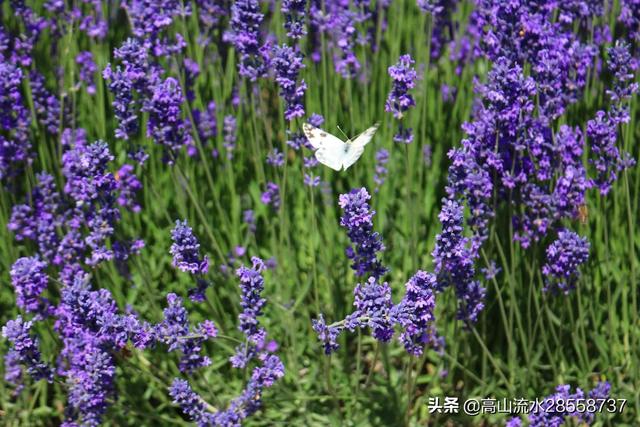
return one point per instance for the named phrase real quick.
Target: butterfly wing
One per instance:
(330, 150)
(356, 147)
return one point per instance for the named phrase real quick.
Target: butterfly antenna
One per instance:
(345, 135)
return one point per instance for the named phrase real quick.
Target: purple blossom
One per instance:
(251, 286)
(229, 131)
(311, 180)
(191, 404)
(399, 100)
(623, 66)
(185, 250)
(176, 332)
(357, 218)
(245, 36)
(373, 302)
(630, 17)
(404, 77)
(206, 123)
(14, 122)
(132, 83)
(29, 279)
(248, 217)
(39, 221)
(26, 349)
(294, 13)
(287, 63)
(165, 124)
(553, 410)
(128, 185)
(149, 19)
(46, 105)
(327, 334)
(87, 70)
(564, 256)
(415, 313)
(275, 158)
(382, 157)
(271, 195)
(454, 262)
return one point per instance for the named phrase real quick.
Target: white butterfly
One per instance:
(332, 151)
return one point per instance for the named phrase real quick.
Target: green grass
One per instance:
(524, 344)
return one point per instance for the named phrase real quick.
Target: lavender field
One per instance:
(319, 213)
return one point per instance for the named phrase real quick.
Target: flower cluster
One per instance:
(15, 120)
(29, 279)
(399, 100)
(287, 63)
(245, 36)
(373, 304)
(26, 349)
(365, 243)
(268, 370)
(176, 332)
(294, 13)
(186, 250)
(166, 125)
(88, 70)
(564, 256)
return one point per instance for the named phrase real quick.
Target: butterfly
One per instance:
(332, 151)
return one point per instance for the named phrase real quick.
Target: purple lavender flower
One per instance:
(382, 157)
(357, 218)
(310, 180)
(271, 195)
(630, 17)
(415, 313)
(186, 250)
(399, 100)
(136, 76)
(294, 12)
(251, 286)
(46, 105)
(165, 124)
(327, 335)
(554, 410)
(622, 65)
(491, 271)
(564, 256)
(175, 331)
(248, 217)
(128, 186)
(229, 131)
(275, 158)
(454, 261)
(14, 122)
(93, 188)
(150, 19)
(373, 302)
(341, 25)
(87, 71)
(287, 63)
(206, 123)
(29, 279)
(245, 36)
(13, 371)
(92, 330)
(39, 221)
(191, 404)
(26, 349)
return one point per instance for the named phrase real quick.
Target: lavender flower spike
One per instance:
(186, 250)
(399, 100)
(357, 218)
(27, 348)
(29, 279)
